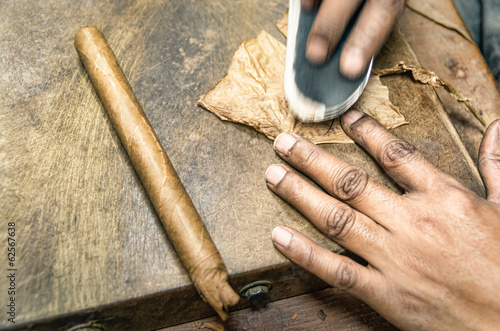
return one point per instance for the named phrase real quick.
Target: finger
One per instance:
(347, 183)
(309, 4)
(336, 270)
(346, 226)
(489, 161)
(368, 35)
(328, 28)
(401, 160)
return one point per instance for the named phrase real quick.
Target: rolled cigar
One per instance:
(175, 209)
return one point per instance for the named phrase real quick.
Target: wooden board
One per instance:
(328, 309)
(459, 62)
(434, 45)
(89, 244)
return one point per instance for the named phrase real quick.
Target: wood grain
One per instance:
(90, 245)
(431, 44)
(459, 62)
(329, 309)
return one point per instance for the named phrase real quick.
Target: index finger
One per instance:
(400, 159)
(347, 183)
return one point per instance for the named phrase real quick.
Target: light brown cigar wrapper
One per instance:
(175, 209)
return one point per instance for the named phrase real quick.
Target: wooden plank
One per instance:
(89, 244)
(420, 33)
(329, 309)
(459, 62)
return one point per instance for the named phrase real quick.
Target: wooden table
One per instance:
(89, 245)
(458, 62)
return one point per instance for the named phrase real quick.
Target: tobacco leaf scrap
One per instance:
(252, 93)
(282, 23)
(428, 77)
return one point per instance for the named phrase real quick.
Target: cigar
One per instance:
(175, 209)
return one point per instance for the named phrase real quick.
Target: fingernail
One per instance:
(317, 50)
(351, 64)
(351, 117)
(284, 143)
(281, 236)
(274, 174)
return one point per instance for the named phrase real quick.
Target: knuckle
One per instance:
(374, 29)
(382, 18)
(435, 233)
(311, 259)
(327, 28)
(339, 221)
(311, 158)
(365, 38)
(350, 184)
(398, 152)
(345, 275)
(292, 188)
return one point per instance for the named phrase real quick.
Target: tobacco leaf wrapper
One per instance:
(175, 209)
(425, 76)
(252, 93)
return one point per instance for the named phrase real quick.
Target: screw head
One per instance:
(256, 293)
(256, 290)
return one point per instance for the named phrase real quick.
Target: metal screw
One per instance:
(257, 292)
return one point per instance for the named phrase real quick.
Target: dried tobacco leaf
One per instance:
(428, 77)
(252, 93)
(282, 24)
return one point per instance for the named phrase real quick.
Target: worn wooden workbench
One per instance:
(89, 246)
(457, 61)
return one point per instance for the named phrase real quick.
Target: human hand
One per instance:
(365, 40)
(433, 253)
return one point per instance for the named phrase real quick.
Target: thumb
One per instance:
(489, 161)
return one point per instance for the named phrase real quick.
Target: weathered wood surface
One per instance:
(437, 49)
(328, 309)
(89, 244)
(459, 62)
(443, 52)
